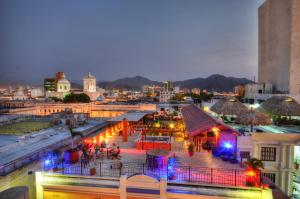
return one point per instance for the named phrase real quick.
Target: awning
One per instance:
(130, 116)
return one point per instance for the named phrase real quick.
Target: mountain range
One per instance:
(212, 83)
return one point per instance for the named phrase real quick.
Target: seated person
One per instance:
(116, 152)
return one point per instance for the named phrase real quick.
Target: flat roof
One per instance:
(276, 137)
(130, 116)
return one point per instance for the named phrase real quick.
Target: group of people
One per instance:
(95, 151)
(114, 151)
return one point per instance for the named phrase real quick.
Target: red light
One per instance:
(250, 173)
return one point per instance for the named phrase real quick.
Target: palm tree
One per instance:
(254, 164)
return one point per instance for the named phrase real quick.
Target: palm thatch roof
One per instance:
(280, 105)
(253, 118)
(229, 106)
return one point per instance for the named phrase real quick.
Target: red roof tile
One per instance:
(197, 121)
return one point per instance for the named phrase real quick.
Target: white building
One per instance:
(278, 153)
(90, 87)
(89, 83)
(279, 43)
(36, 92)
(19, 94)
(165, 96)
(255, 92)
(63, 85)
(176, 89)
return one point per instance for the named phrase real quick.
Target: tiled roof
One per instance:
(197, 121)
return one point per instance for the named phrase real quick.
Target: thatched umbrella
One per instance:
(253, 118)
(281, 106)
(229, 106)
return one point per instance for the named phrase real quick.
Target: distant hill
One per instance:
(128, 83)
(211, 83)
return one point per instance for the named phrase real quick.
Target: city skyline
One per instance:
(117, 39)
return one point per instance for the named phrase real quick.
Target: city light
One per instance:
(157, 125)
(172, 125)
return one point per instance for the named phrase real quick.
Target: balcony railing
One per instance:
(176, 174)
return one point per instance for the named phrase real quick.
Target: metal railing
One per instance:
(178, 173)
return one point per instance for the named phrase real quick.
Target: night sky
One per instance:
(158, 39)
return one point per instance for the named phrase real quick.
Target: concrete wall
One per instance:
(274, 43)
(279, 45)
(139, 186)
(295, 51)
(21, 177)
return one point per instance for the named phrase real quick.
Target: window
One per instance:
(244, 154)
(268, 154)
(270, 176)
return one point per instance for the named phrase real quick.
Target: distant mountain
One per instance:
(211, 83)
(128, 83)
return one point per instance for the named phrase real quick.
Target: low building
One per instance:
(176, 89)
(256, 93)
(165, 96)
(196, 91)
(36, 92)
(20, 94)
(278, 153)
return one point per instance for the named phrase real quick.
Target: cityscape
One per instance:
(150, 99)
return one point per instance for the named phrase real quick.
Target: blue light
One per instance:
(227, 145)
(170, 167)
(47, 162)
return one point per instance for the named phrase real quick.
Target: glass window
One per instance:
(268, 154)
(270, 176)
(245, 154)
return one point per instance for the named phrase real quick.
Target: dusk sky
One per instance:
(158, 39)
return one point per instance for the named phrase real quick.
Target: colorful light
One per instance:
(47, 162)
(250, 173)
(172, 125)
(206, 108)
(215, 129)
(227, 145)
(157, 125)
(171, 164)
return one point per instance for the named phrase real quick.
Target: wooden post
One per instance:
(125, 130)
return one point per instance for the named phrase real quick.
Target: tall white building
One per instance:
(90, 87)
(279, 44)
(89, 83)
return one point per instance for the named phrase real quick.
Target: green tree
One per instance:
(76, 98)
(254, 163)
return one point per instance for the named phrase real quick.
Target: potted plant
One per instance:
(191, 150)
(253, 167)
